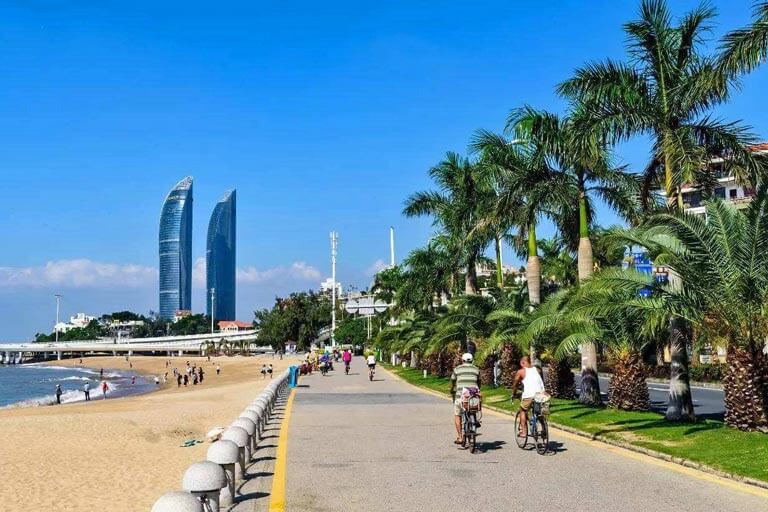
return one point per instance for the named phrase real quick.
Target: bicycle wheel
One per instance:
(542, 440)
(521, 441)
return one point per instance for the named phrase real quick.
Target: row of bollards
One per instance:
(211, 483)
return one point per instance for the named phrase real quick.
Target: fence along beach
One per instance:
(122, 454)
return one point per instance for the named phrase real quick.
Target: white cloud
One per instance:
(78, 273)
(298, 271)
(198, 273)
(376, 267)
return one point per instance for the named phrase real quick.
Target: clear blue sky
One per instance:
(322, 116)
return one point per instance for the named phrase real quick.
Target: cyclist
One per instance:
(371, 363)
(532, 384)
(347, 357)
(466, 375)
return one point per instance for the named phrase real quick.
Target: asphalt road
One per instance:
(708, 402)
(385, 445)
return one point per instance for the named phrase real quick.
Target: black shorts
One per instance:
(372, 366)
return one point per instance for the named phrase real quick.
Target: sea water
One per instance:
(30, 385)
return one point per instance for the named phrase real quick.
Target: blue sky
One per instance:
(322, 116)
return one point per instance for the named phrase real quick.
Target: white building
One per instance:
(327, 285)
(80, 320)
(727, 187)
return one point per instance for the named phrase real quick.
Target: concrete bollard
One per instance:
(225, 454)
(205, 480)
(240, 437)
(249, 426)
(177, 501)
(258, 410)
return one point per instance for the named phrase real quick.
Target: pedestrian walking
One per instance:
(104, 389)
(178, 380)
(186, 379)
(133, 380)
(218, 369)
(200, 374)
(263, 371)
(58, 393)
(157, 380)
(87, 391)
(101, 373)
(269, 371)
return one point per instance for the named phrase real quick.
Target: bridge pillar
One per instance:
(114, 353)
(18, 360)
(58, 355)
(7, 358)
(181, 353)
(130, 353)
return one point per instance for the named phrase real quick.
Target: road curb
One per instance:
(697, 466)
(654, 380)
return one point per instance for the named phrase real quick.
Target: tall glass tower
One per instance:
(220, 259)
(176, 250)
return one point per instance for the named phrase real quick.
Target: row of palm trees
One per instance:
(226, 347)
(553, 168)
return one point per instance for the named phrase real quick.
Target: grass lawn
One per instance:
(707, 442)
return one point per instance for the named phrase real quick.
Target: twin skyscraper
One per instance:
(175, 250)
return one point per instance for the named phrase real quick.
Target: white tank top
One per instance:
(532, 383)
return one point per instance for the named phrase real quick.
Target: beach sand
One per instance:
(121, 454)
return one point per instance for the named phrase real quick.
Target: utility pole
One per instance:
(391, 246)
(56, 326)
(213, 306)
(334, 242)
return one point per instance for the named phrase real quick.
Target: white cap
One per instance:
(467, 358)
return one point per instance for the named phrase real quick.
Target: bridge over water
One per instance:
(13, 352)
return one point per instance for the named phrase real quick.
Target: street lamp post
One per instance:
(213, 306)
(56, 326)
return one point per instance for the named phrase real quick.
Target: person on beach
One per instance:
(101, 373)
(263, 371)
(186, 379)
(157, 380)
(194, 379)
(218, 369)
(178, 381)
(87, 391)
(269, 371)
(165, 377)
(104, 389)
(133, 380)
(200, 374)
(58, 393)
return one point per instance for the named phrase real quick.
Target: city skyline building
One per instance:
(175, 250)
(221, 259)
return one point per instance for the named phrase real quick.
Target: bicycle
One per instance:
(371, 372)
(346, 368)
(538, 428)
(470, 421)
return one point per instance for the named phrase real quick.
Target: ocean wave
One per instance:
(71, 377)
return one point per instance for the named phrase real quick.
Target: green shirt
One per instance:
(465, 376)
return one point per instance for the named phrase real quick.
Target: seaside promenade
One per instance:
(386, 445)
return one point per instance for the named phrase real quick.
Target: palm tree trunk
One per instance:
(628, 389)
(499, 274)
(533, 276)
(470, 280)
(680, 405)
(590, 384)
(746, 388)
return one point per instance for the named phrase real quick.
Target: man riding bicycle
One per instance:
(466, 375)
(532, 384)
(347, 358)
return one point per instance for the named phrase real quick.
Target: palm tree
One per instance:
(722, 268)
(456, 209)
(746, 48)
(667, 91)
(430, 274)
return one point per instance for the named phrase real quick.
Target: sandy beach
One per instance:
(121, 454)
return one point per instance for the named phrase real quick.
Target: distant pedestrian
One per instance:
(104, 389)
(166, 364)
(157, 380)
(87, 391)
(130, 365)
(81, 360)
(186, 379)
(58, 393)
(269, 371)
(101, 373)
(178, 380)
(133, 380)
(497, 373)
(281, 355)
(263, 371)
(209, 358)
(218, 369)
(200, 374)
(194, 379)
(165, 377)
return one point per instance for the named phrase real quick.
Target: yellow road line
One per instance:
(277, 496)
(594, 443)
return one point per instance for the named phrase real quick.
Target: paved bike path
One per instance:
(385, 445)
